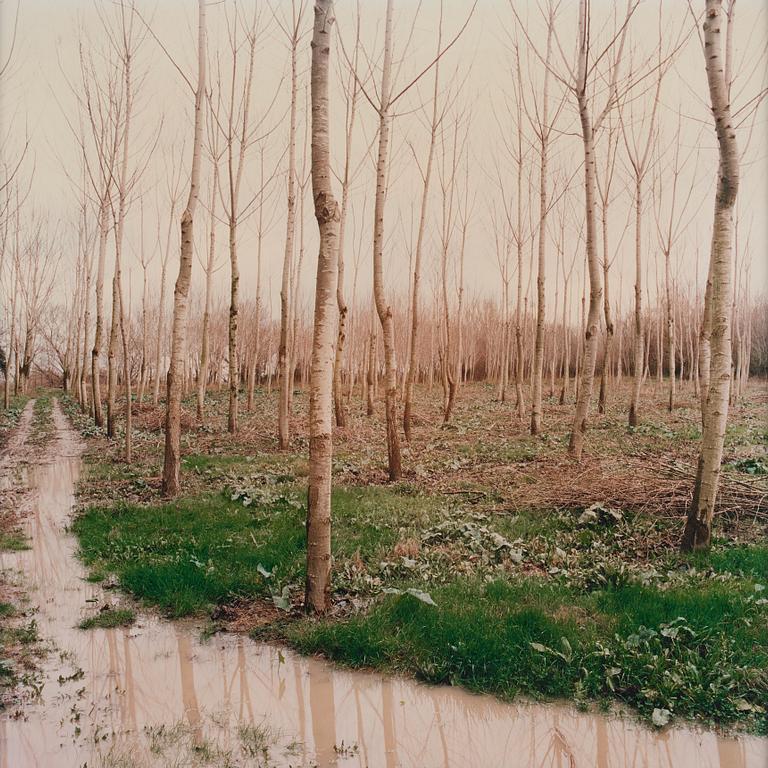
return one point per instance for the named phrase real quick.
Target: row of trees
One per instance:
(609, 96)
(480, 359)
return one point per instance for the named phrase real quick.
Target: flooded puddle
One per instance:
(155, 694)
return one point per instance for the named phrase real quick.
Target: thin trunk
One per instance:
(698, 529)
(638, 316)
(202, 375)
(98, 415)
(284, 364)
(318, 586)
(413, 345)
(383, 309)
(576, 443)
(544, 129)
(172, 458)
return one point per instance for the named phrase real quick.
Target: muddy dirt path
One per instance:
(156, 695)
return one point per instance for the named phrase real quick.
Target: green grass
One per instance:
(751, 561)
(194, 553)
(109, 619)
(690, 640)
(13, 541)
(536, 638)
(9, 417)
(17, 642)
(200, 462)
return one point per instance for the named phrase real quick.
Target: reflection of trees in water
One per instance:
(731, 753)
(246, 705)
(388, 721)
(130, 684)
(297, 672)
(188, 693)
(322, 706)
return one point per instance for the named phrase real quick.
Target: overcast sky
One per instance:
(477, 78)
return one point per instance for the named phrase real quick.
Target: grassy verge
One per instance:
(592, 605)
(10, 418)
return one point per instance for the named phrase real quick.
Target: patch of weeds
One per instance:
(13, 541)
(346, 750)
(256, 740)
(750, 466)
(19, 645)
(10, 416)
(109, 619)
(202, 462)
(42, 419)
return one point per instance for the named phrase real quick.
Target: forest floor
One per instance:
(497, 563)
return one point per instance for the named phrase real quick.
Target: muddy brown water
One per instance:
(155, 694)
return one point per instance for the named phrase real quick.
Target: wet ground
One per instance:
(156, 694)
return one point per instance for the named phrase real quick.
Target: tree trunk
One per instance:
(670, 336)
(161, 313)
(144, 332)
(576, 443)
(383, 309)
(543, 129)
(286, 369)
(413, 347)
(339, 406)
(602, 402)
(98, 415)
(318, 586)
(234, 286)
(172, 459)
(370, 377)
(698, 529)
(12, 345)
(202, 375)
(111, 355)
(638, 328)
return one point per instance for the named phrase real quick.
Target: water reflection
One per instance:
(154, 688)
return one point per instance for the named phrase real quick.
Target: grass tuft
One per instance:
(109, 619)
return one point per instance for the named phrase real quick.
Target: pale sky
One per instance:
(476, 75)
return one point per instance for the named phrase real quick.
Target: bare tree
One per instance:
(284, 362)
(638, 151)
(669, 211)
(383, 308)
(604, 184)
(418, 253)
(174, 191)
(698, 527)
(209, 268)
(318, 585)
(352, 96)
(172, 459)
(579, 84)
(542, 126)
(385, 108)
(238, 136)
